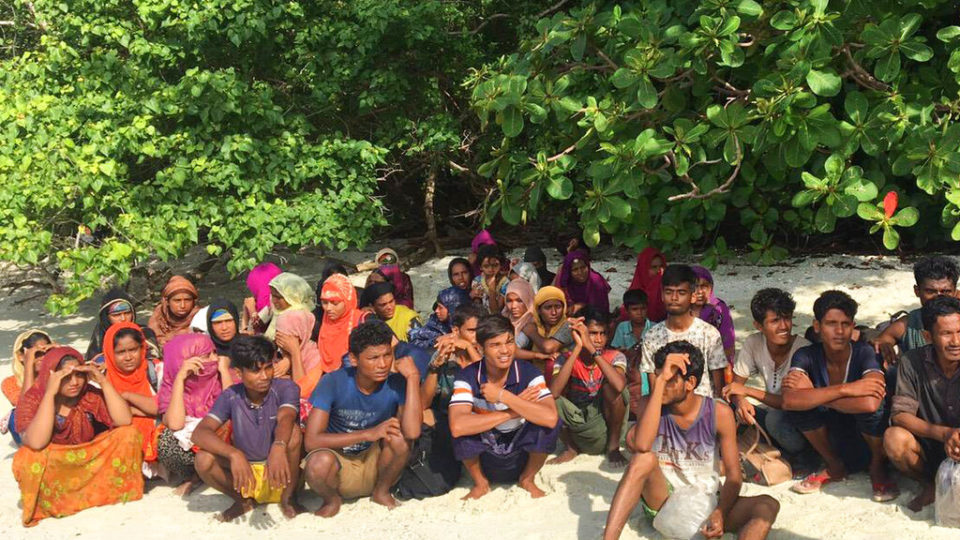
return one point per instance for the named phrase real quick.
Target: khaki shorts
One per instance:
(358, 472)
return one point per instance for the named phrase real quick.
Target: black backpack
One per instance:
(432, 469)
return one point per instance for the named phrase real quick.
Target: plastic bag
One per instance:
(684, 512)
(947, 506)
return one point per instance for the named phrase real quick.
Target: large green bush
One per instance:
(681, 122)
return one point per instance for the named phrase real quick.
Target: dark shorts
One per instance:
(504, 455)
(933, 456)
(844, 431)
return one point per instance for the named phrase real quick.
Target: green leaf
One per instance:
(579, 46)
(955, 233)
(624, 77)
(646, 93)
(887, 67)
(804, 197)
(855, 104)
(948, 33)
(869, 212)
(619, 207)
(891, 238)
(862, 190)
(916, 51)
(750, 8)
(834, 166)
(906, 217)
(845, 205)
(824, 83)
(825, 221)
(511, 121)
(559, 187)
(784, 20)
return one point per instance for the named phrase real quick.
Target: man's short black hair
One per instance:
(371, 333)
(935, 268)
(940, 306)
(249, 352)
(635, 297)
(487, 251)
(694, 369)
(591, 314)
(772, 299)
(492, 326)
(464, 313)
(834, 300)
(678, 274)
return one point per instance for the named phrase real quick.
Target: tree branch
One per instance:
(862, 76)
(551, 9)
(694, 193)
(482, 25)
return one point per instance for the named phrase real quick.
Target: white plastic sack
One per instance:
(947, 506)
(684, 512)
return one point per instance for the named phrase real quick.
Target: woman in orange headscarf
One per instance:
(125, 359)
(338, 298)
(177, 306)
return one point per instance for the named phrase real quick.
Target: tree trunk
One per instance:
(429, 192)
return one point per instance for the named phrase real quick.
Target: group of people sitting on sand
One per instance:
(349, 391)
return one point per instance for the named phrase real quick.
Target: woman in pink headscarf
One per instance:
(193, 377)
(299, 353)
(256, 308)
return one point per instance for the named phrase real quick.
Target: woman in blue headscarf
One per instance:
(448, 300)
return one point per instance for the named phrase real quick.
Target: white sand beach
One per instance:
(578, 492)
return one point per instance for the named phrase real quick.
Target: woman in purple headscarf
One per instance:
(255, 309)
(713, 310)
(582, 285)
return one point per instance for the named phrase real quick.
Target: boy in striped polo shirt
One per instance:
(502, 416)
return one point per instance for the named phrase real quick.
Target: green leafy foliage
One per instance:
(689, 123)
(237, 125)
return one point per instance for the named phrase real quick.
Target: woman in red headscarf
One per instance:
(79, 450)
(646, 276)
(125, 359)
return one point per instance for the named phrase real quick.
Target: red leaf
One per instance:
(890, 204)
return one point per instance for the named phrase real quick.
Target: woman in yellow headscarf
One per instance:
(549, 331)
(288, 292)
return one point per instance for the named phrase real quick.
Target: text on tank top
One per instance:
(690, 456)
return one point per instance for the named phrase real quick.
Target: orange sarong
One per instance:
(61, 480)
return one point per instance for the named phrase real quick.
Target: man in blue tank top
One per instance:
(676, 444)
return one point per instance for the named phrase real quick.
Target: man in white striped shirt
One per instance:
(502, 415)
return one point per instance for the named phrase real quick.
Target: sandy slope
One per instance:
(579, 492)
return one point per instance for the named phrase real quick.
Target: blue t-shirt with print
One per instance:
(350, 409)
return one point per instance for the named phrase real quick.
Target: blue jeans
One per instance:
(781, 430)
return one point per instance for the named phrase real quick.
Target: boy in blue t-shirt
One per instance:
(363, 419)
(502, 416)
(835, 388)
(628, 339)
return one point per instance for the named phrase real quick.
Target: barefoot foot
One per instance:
(532, 488)
(926, 497)
(386, 499)
(616, 458)
(291, 509)
(238, 509)
(330, 507)
(564, 457)
(188, 487)
(477, 491)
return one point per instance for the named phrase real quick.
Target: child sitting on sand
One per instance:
(589, 389)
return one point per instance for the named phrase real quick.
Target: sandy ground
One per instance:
(578, 493)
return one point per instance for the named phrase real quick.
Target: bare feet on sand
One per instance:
(532, 488)
(291, 509)
(238, 509)
(477, 491)
(330, 507)
(564, 457)
(616, 458)
(187, 487)
(926, 497)
(386, 499)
